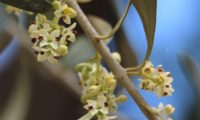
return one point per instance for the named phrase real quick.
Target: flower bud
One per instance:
(70, 12)
(62, 50)
(110, 81)
(56, 4)
(116, 56)
(121, 98)
(169, 109)
(93, 87)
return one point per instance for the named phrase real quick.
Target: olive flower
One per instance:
(64, 12)
(156, 80)
(99, 108)
(50, 39)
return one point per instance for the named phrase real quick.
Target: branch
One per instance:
(116, 68)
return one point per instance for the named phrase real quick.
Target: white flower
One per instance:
(67, 34)
(64, 12)
(156, 80)
(96, 107)
(49, 39)
(40, 22)
(43, 56)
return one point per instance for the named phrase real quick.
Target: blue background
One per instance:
(177, 31)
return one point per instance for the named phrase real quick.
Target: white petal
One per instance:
(63, 40)
(94, 111)
(33, 28)
(71, 27)
(58, 13)
(43, 43)
(104, 110)
(40, 19)
(54, 53)
(72, 37)
(86, 107)
(44, 33)
(101, 99)
(54, 45)
(67, 20)
(42, 58)
(46, 26)
(92, 103)
(87, 116)
(34, 34)
(55, 33)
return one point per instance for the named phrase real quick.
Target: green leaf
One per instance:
(30, 5)
(147, 12)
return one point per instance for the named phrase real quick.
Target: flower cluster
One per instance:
(164, 111)
(98, 87)
(156, 80)
(50, 38)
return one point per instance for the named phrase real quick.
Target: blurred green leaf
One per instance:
(190, 70)
(30, 5)
(147, 11)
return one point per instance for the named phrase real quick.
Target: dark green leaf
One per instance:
(30, 5)
(147, 11)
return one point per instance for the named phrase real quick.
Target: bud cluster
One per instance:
(98, 91)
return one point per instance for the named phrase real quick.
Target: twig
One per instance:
(116, 68)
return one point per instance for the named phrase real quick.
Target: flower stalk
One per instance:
(117, 25)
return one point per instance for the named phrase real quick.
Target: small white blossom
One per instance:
(156, 80)
(64, 12)
(96, 107)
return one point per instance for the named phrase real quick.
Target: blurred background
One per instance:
(41, 91)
